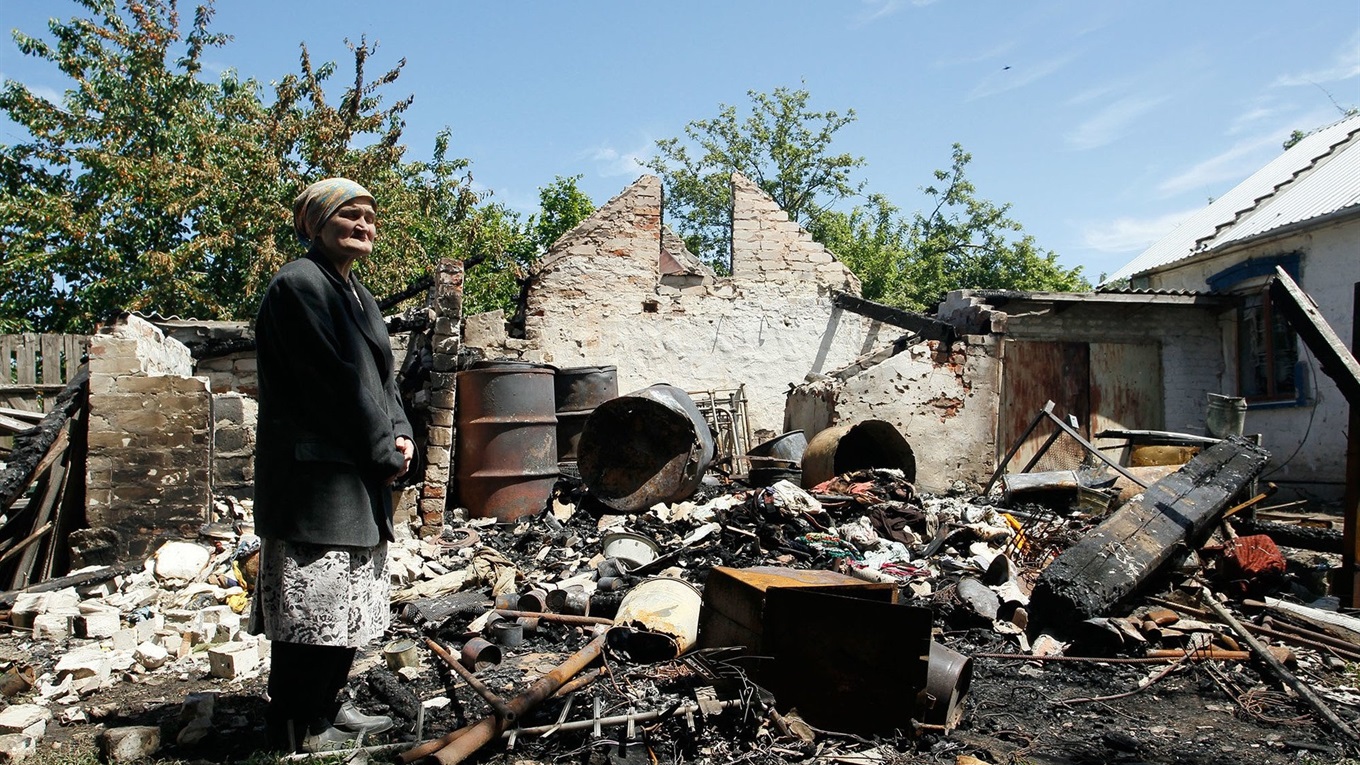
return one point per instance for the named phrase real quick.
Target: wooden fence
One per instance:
(35, 367)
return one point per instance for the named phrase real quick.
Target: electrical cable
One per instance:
(1312, 374)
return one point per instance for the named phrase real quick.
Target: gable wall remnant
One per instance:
(599, 297)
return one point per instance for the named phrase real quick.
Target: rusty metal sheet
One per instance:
(1126, 387)
(846, 663)
(1033, 373)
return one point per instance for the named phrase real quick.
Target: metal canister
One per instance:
(478, 654)
(534, 600)
(649, 446)
(577, 391)
(507, 439)
(657, 620)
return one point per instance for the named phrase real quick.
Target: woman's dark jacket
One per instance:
(329, 410)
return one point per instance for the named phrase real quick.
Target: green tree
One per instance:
(962, 242)
(506, 248)
(151, 188)
(780, 145)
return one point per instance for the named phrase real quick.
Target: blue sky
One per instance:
(1102, 123)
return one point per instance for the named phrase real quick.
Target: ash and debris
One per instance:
(161, 650)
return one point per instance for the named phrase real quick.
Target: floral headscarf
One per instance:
(320, 201)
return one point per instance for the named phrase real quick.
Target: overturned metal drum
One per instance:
(577, 391)
(846, 448)
(507, 439)
(648, 446)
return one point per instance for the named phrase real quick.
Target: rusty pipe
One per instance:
(580, 682)
(460, 744)
(551, 617)
(498, 704)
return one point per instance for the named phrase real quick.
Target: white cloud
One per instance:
(1248, 119)
(873, 10)
(1130, 235)
(1017, 77)
(1111, 122)
(610, 161)
(995, 52)
(1239, 161)
(1345, 64)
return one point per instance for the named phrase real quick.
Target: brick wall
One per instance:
(616, 291)
(149, 464)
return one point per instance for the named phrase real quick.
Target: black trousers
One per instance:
(304, 687)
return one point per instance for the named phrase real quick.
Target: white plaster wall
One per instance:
(944, 405)
(1310, 439)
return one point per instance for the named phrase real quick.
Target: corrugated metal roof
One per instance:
(1315, 177)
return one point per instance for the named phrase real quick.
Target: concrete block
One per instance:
(97, 621)
(84, 663)
(29, 719)
(125, 639)
(233, 660)
(130, 744)
(54, 625)
(17, 747)
(152, 655)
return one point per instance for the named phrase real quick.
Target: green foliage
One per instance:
(504, 249)
(150, 188)
(780, 145)
(963, 242)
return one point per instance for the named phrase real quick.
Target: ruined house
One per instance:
(620, 289)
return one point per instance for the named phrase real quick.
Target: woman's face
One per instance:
(348, 234)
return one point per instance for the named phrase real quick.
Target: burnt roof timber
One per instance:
(927, 327)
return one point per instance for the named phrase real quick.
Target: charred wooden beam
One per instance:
(1332, 355)
(93, 576)
(1127, 548)
(1291, 535)
(31, 448)
(927, 327)
(416, 287)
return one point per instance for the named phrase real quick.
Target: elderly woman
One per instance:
(332, 437)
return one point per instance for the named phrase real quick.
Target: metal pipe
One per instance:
(460, 744)
(551, 617)
(1293, 682)
(489, 696)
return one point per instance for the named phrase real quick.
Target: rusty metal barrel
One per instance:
(578, 390)
(507, 439)
(645, 447)
(862, 445)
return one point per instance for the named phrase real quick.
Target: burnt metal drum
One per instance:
(645, 447)
(846, 448)
(507, 439)
(577, 391)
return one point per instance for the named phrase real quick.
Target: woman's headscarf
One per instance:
(320, 201)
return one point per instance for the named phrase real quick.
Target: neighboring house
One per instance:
(1300, 212)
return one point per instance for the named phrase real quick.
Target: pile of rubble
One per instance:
(857, 620)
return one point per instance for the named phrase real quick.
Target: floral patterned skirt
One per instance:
(321, 595)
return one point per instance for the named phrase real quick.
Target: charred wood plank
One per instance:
(33, 448)
(1127, 548)
(1293, 535)
(927, 327)
(74, 580)
(416, 287)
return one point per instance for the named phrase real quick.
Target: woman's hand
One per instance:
(407, 447)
